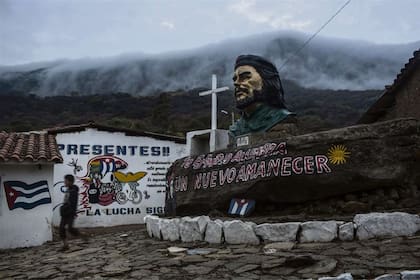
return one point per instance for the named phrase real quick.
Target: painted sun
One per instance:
(338, 154)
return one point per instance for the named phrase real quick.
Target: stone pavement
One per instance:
(128, 253)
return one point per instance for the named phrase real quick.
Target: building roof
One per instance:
(387, 100)
(127, 131)
(31, 147)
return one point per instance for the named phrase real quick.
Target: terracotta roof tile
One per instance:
(29, 147)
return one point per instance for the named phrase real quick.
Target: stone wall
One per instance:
(407, 99)
(202, 228)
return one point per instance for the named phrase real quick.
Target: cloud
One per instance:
(250, 11)
(325, 63)
(168, 25)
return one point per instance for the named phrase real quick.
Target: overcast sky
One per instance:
(39, 30)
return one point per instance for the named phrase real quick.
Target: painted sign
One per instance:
(243, 165)
(121, 178)
(26, 196)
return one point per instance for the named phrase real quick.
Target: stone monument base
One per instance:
(350, 170)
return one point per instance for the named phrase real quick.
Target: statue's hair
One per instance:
(272, 92)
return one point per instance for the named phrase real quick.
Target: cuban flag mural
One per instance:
(26, 196)
(241, 207)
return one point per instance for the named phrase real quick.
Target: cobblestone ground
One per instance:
(114, 255)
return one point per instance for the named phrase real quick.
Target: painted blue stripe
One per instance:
(34, 193)
(31, 205)
(102, 169)
(26, 186)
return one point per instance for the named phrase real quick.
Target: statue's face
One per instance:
(248, 83)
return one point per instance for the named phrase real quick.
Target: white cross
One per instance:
(214, 90)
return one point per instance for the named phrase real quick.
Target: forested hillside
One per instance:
(173, 112)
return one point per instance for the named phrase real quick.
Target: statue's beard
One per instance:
(258, 96)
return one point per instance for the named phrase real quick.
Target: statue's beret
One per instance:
(255, 61)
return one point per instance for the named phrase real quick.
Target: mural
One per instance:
(76, 167)
(26, 196)
(121, 178)
(105, 183)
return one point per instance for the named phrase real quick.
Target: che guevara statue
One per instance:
(259, 96)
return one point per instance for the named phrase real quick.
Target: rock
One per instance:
(169, 229)
(268, 264)
(359, 273)
(138, 274)
(318, 231)
(278, 246)
(393, 193)
(350, 197)
(245, 268)
(213, 263)
(153, 226)
(147, 222)
(200, 251)
(355, 207)
(410, 275)
(238, 232)
(299, 261)
(323, 266)
(189, 230)
(346, 232)
(388, 277)
(344, 276)
(280, 232)
(176, 250)
(202, 222)
(83, 252)
(376, 160)
(380, 193)
(374, 225)
(46, 274)
(214, 232)
(193, 259)
(244, 249)
(195, 269)
(115, 269)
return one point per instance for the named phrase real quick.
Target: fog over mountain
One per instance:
(326, 63)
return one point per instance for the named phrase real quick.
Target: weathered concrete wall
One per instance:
(121, 178)
(25, 213)
(301, 168)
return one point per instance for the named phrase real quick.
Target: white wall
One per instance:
(20, 227)
(142, 154)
